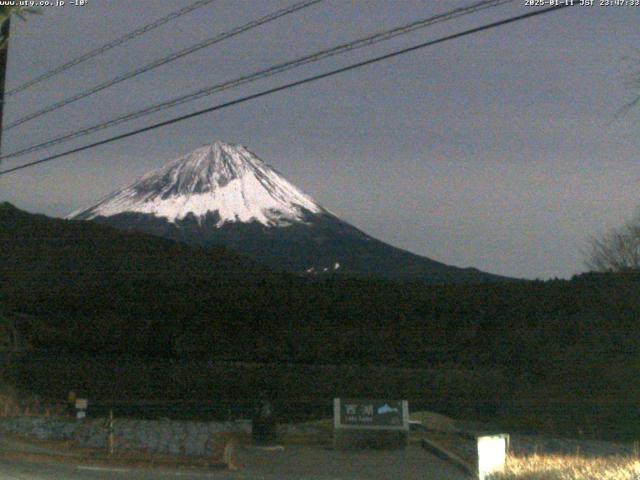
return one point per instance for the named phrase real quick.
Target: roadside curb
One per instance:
(444, 453)
(98, 459)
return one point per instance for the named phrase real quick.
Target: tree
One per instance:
(5, 29)
(5, 19)
(617, 250)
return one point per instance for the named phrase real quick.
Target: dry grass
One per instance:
(16, 403)
(563, 467)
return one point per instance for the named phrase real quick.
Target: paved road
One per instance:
(20, 470)
(291, 463)
(319, 463)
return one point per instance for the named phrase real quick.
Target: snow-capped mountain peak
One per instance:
(222, 194)
(221, 178)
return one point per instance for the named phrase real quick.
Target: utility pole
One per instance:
(4, 56)
(110, 438)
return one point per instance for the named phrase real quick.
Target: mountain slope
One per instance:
(39, 250)
(222, 194)
(225, 179)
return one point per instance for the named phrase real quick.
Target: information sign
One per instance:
(371, 414)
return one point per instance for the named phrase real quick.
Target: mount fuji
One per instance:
(223, 194)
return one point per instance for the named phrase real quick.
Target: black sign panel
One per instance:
(371, 413)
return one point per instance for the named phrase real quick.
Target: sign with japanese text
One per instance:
(371, 414)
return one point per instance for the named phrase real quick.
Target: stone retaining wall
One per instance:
(165, 437)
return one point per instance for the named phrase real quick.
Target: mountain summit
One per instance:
(222, 194)
(221, 178)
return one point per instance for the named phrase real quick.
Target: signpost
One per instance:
(370, 422)
(81, 408)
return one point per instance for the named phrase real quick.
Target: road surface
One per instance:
(290, 463)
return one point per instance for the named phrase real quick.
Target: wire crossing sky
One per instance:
(165, 60)
(289, 85)
(501, 150)
(367, 41)
(104, 48)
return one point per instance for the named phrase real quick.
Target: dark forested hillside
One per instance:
(92, 287)
(71, 286)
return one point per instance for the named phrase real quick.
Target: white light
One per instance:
(492, 453)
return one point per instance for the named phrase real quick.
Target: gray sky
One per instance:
(500, 150)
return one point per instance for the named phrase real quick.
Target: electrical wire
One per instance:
(104, 48)
(289, 65)
(163, 61)
(292, 85)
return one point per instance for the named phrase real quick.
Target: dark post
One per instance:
(4, 55)
(110, 442)
(263, 425)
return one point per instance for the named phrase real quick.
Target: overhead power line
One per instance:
(282, 67)
(164, 60)
(104, 48)
(291, 85)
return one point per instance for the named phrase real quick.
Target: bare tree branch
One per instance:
(617, 250)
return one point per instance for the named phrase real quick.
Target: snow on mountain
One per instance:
(220, 178)
(222, 194)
